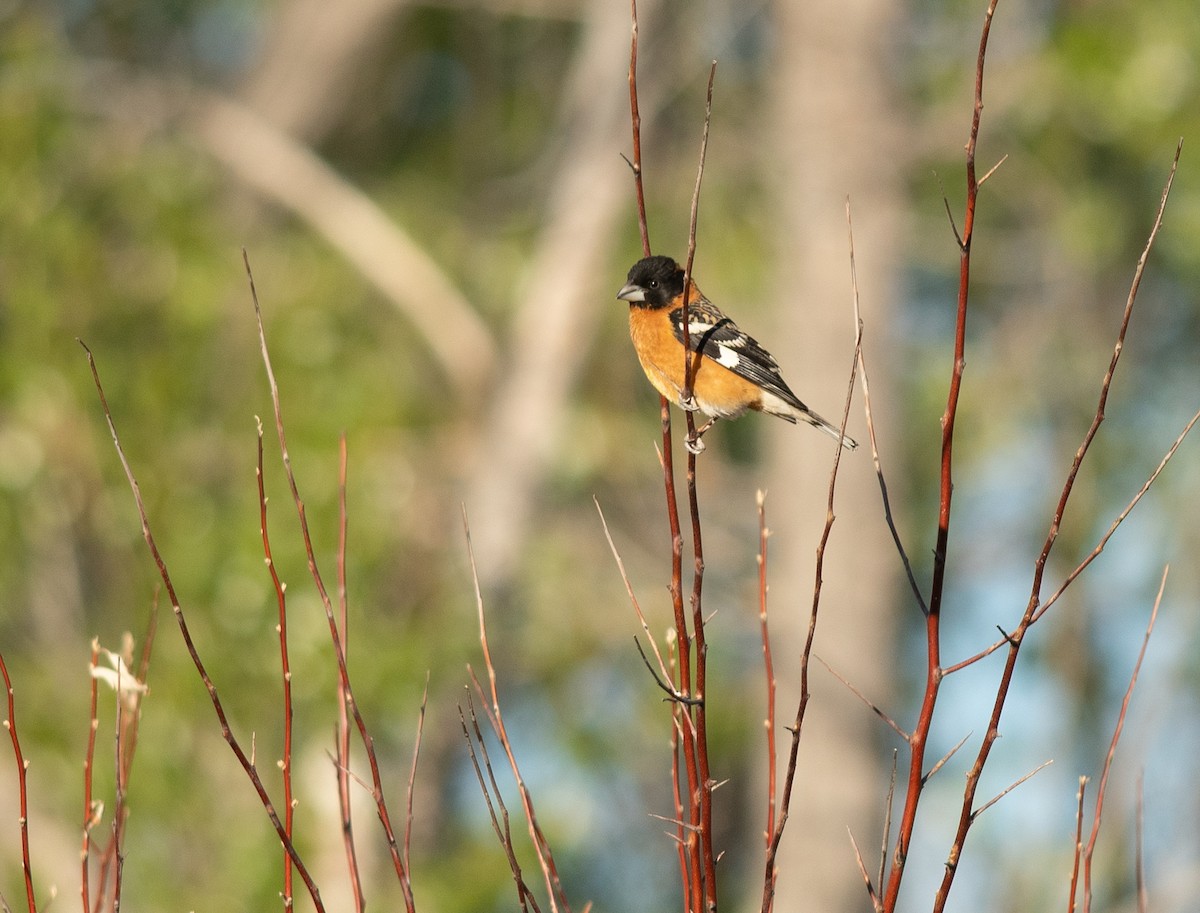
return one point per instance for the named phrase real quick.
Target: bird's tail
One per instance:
(828, 427)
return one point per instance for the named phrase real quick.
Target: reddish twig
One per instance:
(1078, 854)
(1008, 789)
(1102, 789)
(231, 740)
(127, 716)
(636, 121)
(10, 723)
(768, 671)
(887, 817)
(637, 608)
(941, 762)
(285, 763)
(554, 888)
(492, 797)
(681, 842)
(1031, 613)
(364, 733)
(768, 898)
(412, 776)
(876, 903)
(875, 458)
(933, 669)
(343, 721)
(129, 688)
(708, 855)
(1143, 900)
(91, 810)
(871, 705)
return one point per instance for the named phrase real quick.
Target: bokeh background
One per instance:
(434, 203)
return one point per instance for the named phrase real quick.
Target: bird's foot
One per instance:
(693, 443)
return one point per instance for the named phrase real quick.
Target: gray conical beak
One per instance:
(631, 292)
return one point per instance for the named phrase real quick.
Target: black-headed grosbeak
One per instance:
(733, 373)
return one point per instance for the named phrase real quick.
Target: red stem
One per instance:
(343, 723)
(89, 757)
(10, 723)
(933, 669)
(285, 764)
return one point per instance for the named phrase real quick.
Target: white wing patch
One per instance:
(727, 358)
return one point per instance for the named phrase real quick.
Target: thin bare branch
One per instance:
(1143, 900)
(636, 121)
(1098, 418)
(91, 810)
(993, 169)
(876, 903)
(1095, 552)
(1102, 789)
(492, 797)
(1004, 792)
(285, 764)
(637, 608)
(946, 758)
(673, 694)
(887, 817)
(10, 724)
(412, 776)
(1078, 854)
(554, 888)
(875, 458)
(871, 705)
(768, 669)
(342, 735)
(806, 653)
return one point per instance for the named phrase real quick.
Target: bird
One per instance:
(733, 373)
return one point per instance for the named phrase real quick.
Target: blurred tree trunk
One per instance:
(837, 133)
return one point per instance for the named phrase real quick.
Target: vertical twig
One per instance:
(1143, 900)
(90, 809)
(768, 671)
(10, 723)
(342, 737)
(708, 854)
(554, 888)
(285, 763)
(493, 799)
(1102, 788)
(933, 668)
(412, 777)
(789, 779)
(636, 121)
(1077, 856)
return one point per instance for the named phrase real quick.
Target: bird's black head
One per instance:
(653, 283)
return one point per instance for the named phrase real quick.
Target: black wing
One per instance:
(720, 339)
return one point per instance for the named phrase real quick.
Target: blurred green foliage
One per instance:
(121, 232)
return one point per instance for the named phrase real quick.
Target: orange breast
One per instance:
(718, 391)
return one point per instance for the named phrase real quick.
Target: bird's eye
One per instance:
(653, 283)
